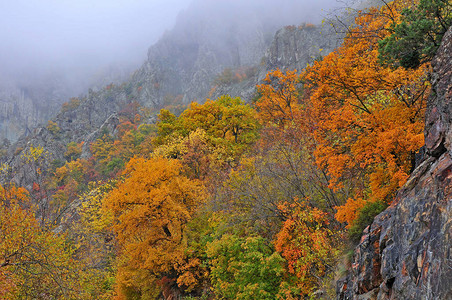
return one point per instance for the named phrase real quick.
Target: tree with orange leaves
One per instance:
(368, 118)
(152, 206)
(279, 101)
(306, 242)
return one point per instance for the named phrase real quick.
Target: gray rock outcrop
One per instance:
(406, 252)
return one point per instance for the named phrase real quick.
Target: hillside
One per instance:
(206, 39)
(312, 165)
(175, 72)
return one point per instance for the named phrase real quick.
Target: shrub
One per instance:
(71, 105)
(53, 127)
(417, 37)
(366, 216)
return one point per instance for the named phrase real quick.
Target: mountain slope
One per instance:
(179, 68)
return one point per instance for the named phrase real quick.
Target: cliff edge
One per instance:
(406, 253)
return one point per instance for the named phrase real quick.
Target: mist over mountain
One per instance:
(53, 50)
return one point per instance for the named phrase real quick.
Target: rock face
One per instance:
(23, 107)
(406, 253)
(212, 38)
(30, 101)
(293, 47)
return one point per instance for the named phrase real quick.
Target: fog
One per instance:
(54, 36)
(51, 50)
(40, 36)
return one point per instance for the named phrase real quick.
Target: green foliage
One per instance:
(114, 165)
(417, 37)
(245, 268)
(366, 216)
(55, 164)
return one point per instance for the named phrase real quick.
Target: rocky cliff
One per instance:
(214, 51)
(32, 100)
(406, 253)
(25, 106)
(215, 48)
(293, 47)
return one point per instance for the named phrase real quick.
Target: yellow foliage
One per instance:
(33, 154)
(53, 127)
(33, 261)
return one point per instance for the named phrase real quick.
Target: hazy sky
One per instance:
(37, 35)
(69, 32)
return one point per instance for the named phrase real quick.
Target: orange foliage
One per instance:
(368, 118)
(152, 207)
(349, 212)
(280, 97)
(305, 242)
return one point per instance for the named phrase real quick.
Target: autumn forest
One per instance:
(227, 199)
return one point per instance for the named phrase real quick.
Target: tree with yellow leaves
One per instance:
(34, 263)
(228, 122)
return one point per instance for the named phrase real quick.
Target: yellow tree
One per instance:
(152, 206)
(94, 241)
(229, 122)
(34, 263)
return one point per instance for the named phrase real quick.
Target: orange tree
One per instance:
(308, 244)
(279, 101)
(151, 208)
(367, 119)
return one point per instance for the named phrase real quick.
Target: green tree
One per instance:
(245, 268)
(418, 33)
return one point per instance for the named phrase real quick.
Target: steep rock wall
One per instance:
(293, 47)
(406, 253)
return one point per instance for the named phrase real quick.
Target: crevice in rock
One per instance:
(440, 150)
(418, 158)
(389, 284)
